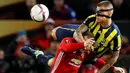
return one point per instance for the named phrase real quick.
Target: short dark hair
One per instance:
(105, 3)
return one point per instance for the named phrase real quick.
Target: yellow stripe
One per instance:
(100, 49)
(112, 45)
(92, 16)
(101, 35)
(108, 39)
(93, 25)
(96, 29)
(90, 24)
(119, 42)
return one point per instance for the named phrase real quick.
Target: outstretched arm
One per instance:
(68, 44)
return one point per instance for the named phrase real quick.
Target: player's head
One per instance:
(30, 3)
(21, 36)
(49, 25)
(104, 11)
(58, 3)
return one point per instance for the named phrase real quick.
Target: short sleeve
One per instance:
(116, 43)
(89, 21)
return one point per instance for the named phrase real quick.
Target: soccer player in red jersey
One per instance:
(69, 56)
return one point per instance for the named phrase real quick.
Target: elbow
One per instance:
(76, 34)
(115, 60)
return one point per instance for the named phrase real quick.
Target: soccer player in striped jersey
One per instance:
(105, 31)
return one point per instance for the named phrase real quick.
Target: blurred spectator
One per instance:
(14, 47)
(30, 3)
(121, 9)
(62, 11)
(19, 62)
(125, 46)
(3, 64)
(42, 37)
(23, 11)
(53, 47)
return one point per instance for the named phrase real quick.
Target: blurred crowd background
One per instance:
(17, 28)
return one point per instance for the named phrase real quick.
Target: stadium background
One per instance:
(14, 17)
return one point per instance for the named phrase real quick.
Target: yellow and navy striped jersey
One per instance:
(104, 37)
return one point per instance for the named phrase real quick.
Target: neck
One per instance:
(107, 23)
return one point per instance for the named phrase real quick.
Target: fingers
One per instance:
(119, 70)
(88, 43)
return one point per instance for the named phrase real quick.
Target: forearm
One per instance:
(99, 63)
(70, 47)
(78, 36)
(113, 59)
(105, 68)
(78, 33)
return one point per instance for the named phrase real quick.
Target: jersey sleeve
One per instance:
(89, 21)
(67, 45)
(116, 43)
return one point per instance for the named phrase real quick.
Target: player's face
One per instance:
(102, 19)
(59, 3)
(30, 3)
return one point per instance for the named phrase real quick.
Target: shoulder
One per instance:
(90, 18)
(117, 31)
(115, 27)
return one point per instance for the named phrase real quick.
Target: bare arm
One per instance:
(78, 33)
(82, 28)
(112, 60)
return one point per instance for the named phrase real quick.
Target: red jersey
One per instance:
(68, 58)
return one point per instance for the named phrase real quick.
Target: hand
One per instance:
(119, 70)
(88, 44)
